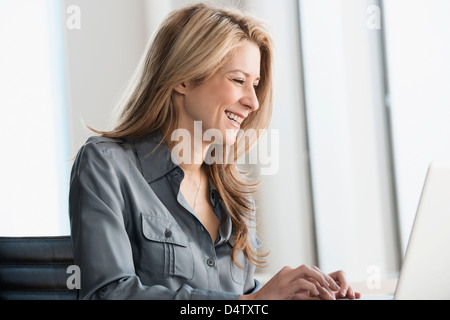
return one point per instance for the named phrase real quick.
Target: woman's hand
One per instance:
(345, 290)
(302, 283)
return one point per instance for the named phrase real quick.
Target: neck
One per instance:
(188, 148)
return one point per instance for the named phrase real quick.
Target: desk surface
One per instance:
(385, 287)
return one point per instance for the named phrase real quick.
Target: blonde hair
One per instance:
(192, 44)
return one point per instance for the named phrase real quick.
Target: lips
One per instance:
(234, 117)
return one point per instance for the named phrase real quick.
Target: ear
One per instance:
(181, 88)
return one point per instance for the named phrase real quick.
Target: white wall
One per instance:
(102, 55)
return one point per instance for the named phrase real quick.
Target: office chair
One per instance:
(36, 268)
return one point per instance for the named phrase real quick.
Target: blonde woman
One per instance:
(151, 223)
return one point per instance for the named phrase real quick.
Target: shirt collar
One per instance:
(154, 156)
(156, 161)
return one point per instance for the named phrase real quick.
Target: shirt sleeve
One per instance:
(101, 245)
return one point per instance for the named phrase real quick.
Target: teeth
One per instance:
(234, 117)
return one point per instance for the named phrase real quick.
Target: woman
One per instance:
(150, 218)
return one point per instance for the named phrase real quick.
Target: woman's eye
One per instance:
(242, 82)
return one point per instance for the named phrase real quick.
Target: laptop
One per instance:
(425, 273)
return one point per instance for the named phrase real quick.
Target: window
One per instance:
(417, 51)
(377, 111)
(354, 210)
(35, 162)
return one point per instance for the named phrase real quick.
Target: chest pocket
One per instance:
(166, 251)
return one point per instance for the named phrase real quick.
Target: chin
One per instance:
(228, 141)
(230, 138)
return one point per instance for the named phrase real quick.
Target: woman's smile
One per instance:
(235, 119)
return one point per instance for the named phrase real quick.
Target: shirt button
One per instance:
(168, 233)
(210, 262)
(214, 197)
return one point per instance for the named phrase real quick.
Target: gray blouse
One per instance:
(135, 236)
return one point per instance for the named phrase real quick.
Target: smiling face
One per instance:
(225, 100)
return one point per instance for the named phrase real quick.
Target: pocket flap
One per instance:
(163, 230)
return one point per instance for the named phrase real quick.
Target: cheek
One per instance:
(221, 99)
(216, 102)
(211, 99)
(208, 104)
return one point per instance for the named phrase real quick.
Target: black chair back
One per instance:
(36, 268)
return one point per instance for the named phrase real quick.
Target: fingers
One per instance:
(325, 293)
(335, 286)
(305, 296)
(341, 278)
(308, 283)
(313, 272)
(297, 283)
(307, 287)
(345, 291)
(329, 279)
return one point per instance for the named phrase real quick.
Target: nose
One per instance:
(250, 99)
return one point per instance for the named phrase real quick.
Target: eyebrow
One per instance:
(244, 73)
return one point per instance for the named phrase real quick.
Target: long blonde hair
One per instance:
(192, 44)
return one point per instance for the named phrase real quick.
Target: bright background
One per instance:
(361, 112)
